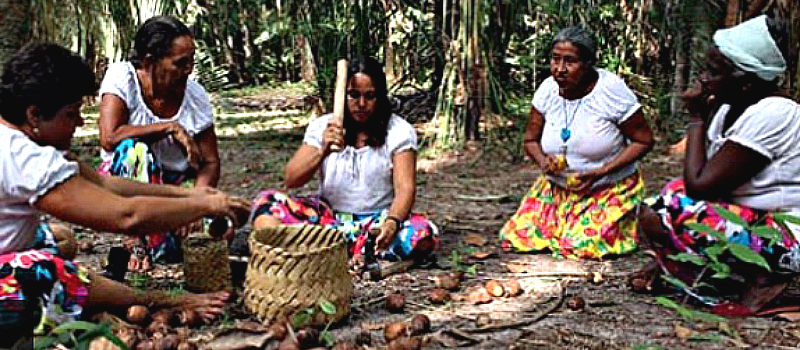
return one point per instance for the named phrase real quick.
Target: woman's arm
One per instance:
(208, 173)
(404, 178)
(81, 201)
(532, 143)
(308, 158)
(301, 168)
(127, 188)
(114, 127)
(640, 139)
(729, 168)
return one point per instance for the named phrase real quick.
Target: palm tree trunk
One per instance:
(15, 27)
(732, 13)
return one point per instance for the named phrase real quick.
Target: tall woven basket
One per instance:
(205, 264)
(293, 268)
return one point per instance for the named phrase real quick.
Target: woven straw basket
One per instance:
(205, 264)
(293, 268)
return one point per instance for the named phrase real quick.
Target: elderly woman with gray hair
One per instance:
(587, 132)
(717, 231)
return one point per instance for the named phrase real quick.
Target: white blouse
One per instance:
(593, 122)
(770, 127)
(194, 115)
(360, 180)
(27, 172)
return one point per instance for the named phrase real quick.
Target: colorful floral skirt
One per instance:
(416, 239)
(587, 224)
(678, 213)
(40, 280)
(133, 160)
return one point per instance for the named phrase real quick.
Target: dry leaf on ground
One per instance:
(481, 254)
(475, 240)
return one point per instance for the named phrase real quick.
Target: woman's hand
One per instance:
(187, 141)
(552, 165)
(699, 102)
(223, 205)
(333, 135)
(185, 231)
(389, 230)
(586, 179)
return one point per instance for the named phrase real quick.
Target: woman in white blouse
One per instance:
(41, 93)
(586, 132)
(369, 184)
(156, 124)
(742, 159)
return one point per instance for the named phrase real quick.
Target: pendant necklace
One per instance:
(566, 132)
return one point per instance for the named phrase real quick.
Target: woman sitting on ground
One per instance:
(743, 155)
(41, 93)
(368, 184)
(156, 125)
(587, 132)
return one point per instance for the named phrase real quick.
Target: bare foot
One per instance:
(136, 264)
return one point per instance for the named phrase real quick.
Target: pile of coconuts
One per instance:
(165, 329)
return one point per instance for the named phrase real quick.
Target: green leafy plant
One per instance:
(688, 313)
(78, 335)
(458, 257)
(304, 317)
(711, 261)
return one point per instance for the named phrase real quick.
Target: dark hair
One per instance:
(155, 38)
(582, 39)
(44, 75)
(378, 122)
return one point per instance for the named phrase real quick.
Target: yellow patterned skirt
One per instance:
(586, 224)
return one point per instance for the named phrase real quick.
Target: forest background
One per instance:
(465, 67)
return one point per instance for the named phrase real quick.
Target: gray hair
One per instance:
(582, 39)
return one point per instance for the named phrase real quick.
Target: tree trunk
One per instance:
(732, 13)
(15, 27)
(388, 49)
(308, 71)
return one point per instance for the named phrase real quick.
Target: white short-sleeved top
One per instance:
(770, 127)
(27, 171)
(360, 180)
(194, 115)
(593, 121)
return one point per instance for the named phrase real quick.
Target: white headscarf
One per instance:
(750, 46)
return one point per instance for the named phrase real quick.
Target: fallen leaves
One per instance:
(481, 254)
(475, 240)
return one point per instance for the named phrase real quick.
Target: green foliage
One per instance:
(78, 335)
(458, 258)
(304, 317)
(712, 260)
(722, 245)
(689, 314)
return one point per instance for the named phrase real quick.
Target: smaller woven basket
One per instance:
(205, 264)
(294, 268)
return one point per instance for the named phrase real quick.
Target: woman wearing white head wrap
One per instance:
(742, 155)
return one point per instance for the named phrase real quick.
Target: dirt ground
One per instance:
(467, 194)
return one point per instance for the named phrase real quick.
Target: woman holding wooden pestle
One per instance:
(368, 184)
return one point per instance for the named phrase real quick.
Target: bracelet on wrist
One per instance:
(397, 221)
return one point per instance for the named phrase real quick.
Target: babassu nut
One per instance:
(395, 302)
(439, 296)
(494, 288)
(394, 330)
